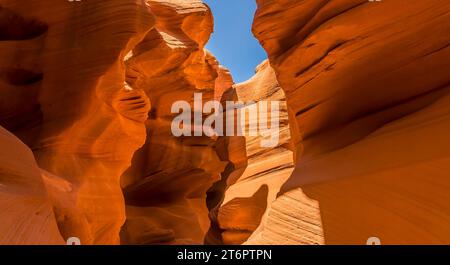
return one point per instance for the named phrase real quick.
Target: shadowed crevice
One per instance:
(15, 27)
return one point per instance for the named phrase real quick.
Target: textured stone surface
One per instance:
(27, 216)
(86, 90)
(369, 84)
(94, 100)
(64, 94)
(249, 195)
(165, 188)
(88, 87)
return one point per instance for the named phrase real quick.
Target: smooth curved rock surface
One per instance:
(63, 93)
(88, 87)
(166, 186)
(27, 216)
(248, 196)
(86, 90)
(368, 83)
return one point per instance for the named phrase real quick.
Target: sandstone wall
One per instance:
(369, 85)
(87, 86)
(86, 90)
(253, 187)
(166, 186)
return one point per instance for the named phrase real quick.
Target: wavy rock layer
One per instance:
(165, 188)
(86, 90)
(27, 216)
(369, 85)
(63, 93)
(88, 86)
(253, 185)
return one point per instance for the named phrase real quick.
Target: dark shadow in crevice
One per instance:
(15, 27)
(27, 119)
(235, 168)
(20, 77)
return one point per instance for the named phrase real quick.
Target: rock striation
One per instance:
(369, 85)
(253, 185)
(87, 86)
(87, 149)
(27, 215)
(165, 187)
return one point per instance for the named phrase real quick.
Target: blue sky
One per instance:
(232, 42)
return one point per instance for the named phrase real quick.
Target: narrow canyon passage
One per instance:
(88, 150)
(242, 204)
(239, 195)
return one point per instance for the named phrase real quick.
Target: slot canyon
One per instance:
(86, 92)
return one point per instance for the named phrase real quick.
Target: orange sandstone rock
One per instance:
(165, 188)
(88, 87)
(249, 195)
(369, 84)
(26, 211)
(63, 92)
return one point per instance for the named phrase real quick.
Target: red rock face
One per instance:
(369, 84)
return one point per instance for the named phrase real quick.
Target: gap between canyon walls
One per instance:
(359, 121)
(254, 174)
(197, 189)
